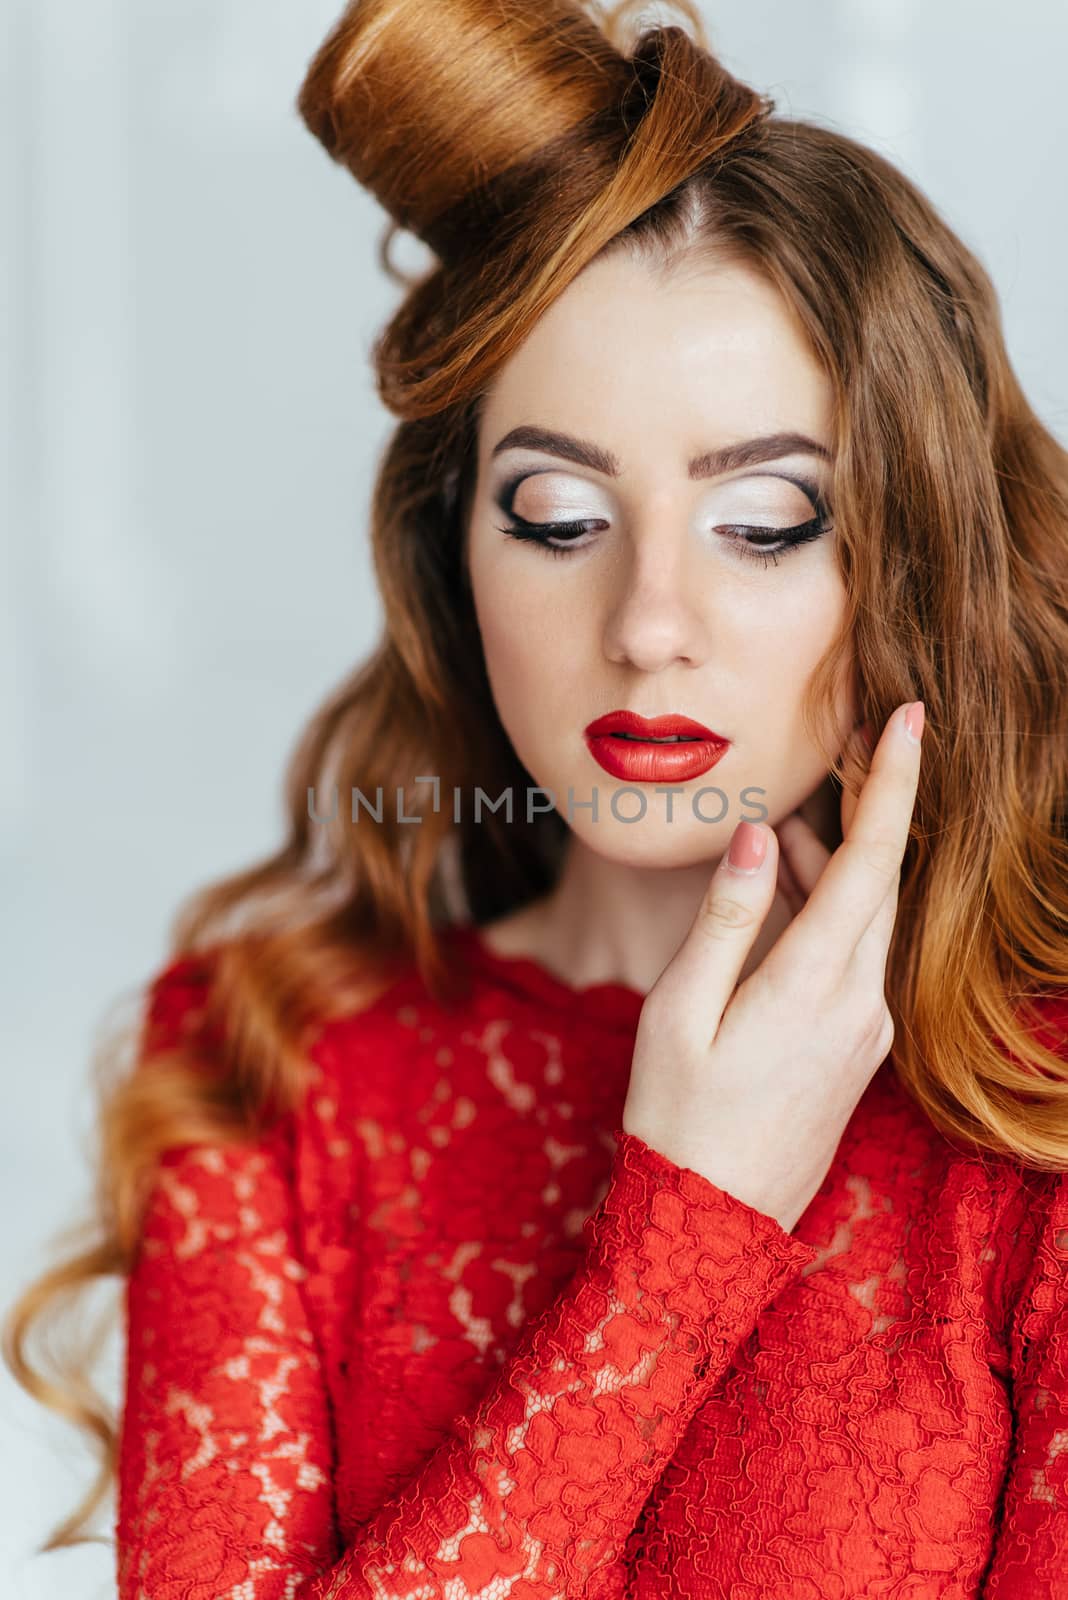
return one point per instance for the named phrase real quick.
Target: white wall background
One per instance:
(191, 429)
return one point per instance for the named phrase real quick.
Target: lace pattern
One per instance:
(451, 1332)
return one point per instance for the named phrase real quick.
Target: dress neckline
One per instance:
(611, 1003)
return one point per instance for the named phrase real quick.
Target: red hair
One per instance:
(520, 139)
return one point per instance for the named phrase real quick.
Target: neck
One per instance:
(608, 922)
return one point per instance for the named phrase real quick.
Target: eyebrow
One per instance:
(728, 458)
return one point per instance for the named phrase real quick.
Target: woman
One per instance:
(527, 1202)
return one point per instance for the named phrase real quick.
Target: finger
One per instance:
(873, 947)
(806, 854)
(788, 885)
(864, 738)
(868, 969)
(867, 864)
(803, 858)
(803, 854)
(848, 810)
(731, 914)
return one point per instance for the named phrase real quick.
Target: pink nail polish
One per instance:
(748, 847)
(914, 720)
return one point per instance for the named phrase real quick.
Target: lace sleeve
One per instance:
(226, 1449)
(1030, 1556)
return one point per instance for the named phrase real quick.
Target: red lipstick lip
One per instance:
(651, 727)
(639, 760)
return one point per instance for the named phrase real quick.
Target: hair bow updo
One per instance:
(515, 139)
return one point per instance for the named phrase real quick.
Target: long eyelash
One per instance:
(790, 538)
(540, 533)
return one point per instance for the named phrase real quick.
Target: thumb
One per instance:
(735, 906)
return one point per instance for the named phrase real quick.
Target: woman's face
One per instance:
(658, 604)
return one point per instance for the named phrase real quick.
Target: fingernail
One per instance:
(748, 847)
(914, 720)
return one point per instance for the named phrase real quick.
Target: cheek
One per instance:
(799, 622)
(785, 639)
(512, 643)
(511, 658)
(529, 628)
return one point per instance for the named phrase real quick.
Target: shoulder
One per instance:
(1031, 1243)
(175, 1000)
(1046, 1017)
(187, 991)
(1036, 1298)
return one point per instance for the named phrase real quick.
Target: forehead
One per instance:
(639, 354)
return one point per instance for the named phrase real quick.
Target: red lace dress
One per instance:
(450, 1333)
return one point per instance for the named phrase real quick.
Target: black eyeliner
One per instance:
(747, 536)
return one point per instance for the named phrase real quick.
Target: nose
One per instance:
(654, 617)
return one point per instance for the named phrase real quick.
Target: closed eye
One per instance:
(753, 542)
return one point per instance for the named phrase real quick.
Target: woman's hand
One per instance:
(752, 1086)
